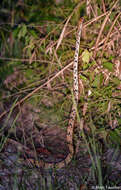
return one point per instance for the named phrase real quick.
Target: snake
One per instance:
(72, 118)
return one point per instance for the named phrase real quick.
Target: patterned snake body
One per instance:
(69, 136)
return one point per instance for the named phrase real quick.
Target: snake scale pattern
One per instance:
(69, 136)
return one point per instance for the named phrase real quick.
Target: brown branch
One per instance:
(108, 35)
(102, 27)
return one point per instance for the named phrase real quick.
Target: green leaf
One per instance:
(33, 33)
(23, 31)
(108, 65)
(97, 81)
(83, 78)
(86, 56)
(115, 137)
(29, 73)
(15, 32)
(119, 121)
(116, 81)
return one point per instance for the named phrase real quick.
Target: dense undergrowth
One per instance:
(36, 55)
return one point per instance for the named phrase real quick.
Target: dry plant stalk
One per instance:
(102, 27)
